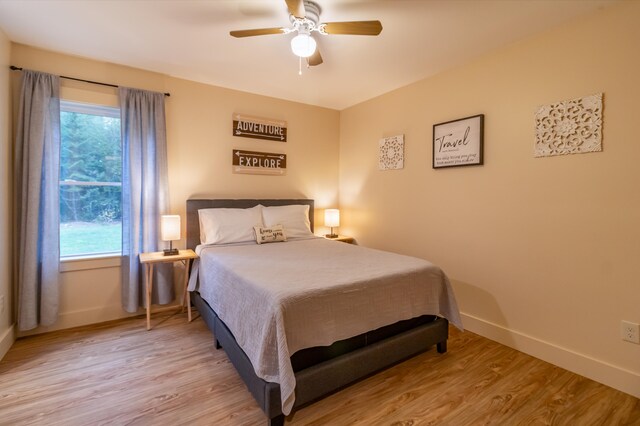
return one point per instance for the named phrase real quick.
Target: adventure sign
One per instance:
(264, 163)
(259, 128)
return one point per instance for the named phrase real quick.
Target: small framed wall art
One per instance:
(458, 142)
(391, 153)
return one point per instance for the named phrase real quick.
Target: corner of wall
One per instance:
(7, 329)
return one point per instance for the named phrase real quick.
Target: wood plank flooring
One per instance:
(119, 373)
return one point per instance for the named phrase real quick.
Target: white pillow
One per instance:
(224, 226)
(270, 235)
(294, 218)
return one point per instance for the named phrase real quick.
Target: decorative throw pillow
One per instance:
(270, 235)
(224, 226)
(294, 218)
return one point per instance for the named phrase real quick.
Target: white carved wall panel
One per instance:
(569, 127)
(391, 153)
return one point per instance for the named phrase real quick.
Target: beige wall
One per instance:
(543, 252)
(199, 121)
(6, 260)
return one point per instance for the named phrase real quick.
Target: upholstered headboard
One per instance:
(193, 223)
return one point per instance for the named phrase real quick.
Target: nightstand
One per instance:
(150, 259)
(342, 239)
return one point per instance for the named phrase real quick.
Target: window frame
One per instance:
(89, 260)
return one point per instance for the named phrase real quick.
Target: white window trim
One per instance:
(94, 261)
(88, 183)
(85, 108)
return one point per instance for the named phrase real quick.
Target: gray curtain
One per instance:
(144, 193)
(36, 194)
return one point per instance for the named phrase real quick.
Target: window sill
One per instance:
(99, 261)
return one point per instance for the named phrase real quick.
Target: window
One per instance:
(90, 180)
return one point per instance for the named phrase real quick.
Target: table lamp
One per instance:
(332, 219)
(169, 231)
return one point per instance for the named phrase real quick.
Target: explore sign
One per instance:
(262, 163)
(259, 128)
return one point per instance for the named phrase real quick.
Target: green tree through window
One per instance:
(90, 180)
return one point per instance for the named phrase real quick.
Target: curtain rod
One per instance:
(14, 68)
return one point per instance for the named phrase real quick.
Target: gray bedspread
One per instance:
(282, 297)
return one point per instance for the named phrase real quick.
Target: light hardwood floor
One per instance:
(119, 373)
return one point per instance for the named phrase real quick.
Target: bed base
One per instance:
(319, 380)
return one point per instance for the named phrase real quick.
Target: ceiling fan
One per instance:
(304, 16)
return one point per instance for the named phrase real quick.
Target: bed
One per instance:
(286, 365)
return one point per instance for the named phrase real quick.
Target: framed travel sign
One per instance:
(458, 142)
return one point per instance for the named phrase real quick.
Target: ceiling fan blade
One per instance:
(315, 59)
(296, 8)
(372, 28)
(257, 32)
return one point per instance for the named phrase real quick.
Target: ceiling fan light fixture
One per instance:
(303, 45)
(304, 16)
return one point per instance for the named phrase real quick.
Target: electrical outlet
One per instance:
(630, 332)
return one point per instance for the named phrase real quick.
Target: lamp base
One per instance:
(331, 235)
(171, 252)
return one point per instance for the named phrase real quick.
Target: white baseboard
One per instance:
(600, 371)
(82, 317)
(6, 340)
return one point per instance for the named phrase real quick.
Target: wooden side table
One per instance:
(342, 238)
(150, 259)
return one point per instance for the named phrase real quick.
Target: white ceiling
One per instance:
(190, 39)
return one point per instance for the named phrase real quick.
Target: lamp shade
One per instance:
(170, 227)
(332, 217)
(303, 45)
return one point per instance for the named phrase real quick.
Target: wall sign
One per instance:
(259, 163)
(458, 142)
(259, 128)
